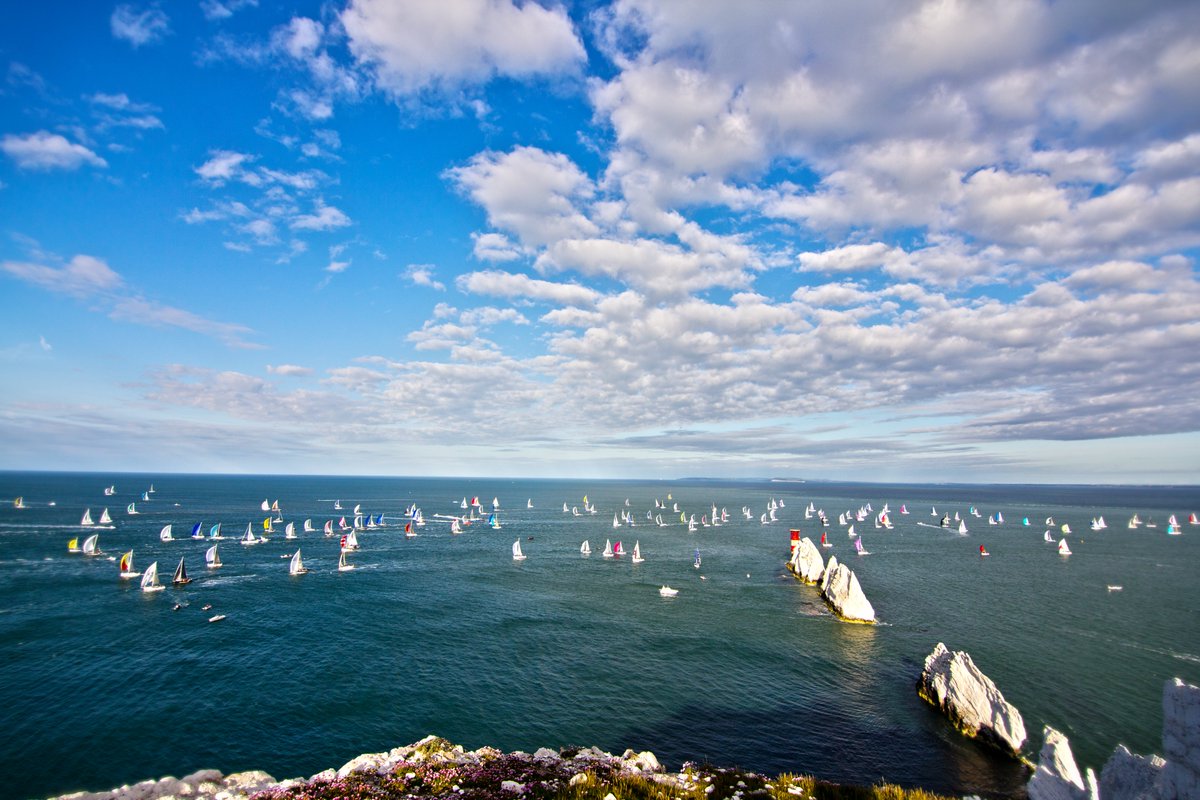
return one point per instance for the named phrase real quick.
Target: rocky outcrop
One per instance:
(1181, 742)
(806, 562)
(1130, 777)
(951, 682)
(1127, 776)
(206, 784)
(840, 588)
(1057, 776)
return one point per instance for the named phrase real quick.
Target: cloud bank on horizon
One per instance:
(950, 241)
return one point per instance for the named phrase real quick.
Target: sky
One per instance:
(887, 240)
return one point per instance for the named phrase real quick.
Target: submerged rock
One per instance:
(1057, 776)
(840, 588)
(951, 682)
(806, 562)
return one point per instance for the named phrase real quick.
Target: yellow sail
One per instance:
(73, 545)
(126, 560)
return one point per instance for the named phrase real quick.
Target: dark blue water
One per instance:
(103, 684)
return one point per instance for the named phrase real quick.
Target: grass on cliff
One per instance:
(560, 780)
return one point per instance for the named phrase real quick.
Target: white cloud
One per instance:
(222, 166)
(289, 370)
(530, 192)
(139, 27)
(45, 151)
(494, 247)
(323, 218)
(82, 276)
(224, 9)
(422, 275)
(414, 45)
(506, 284)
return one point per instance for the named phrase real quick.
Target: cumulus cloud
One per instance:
(139, 27)
(420, 45)
(82, 276)
(323, 218)
(289, 370)
(46, 151)
(422, 275)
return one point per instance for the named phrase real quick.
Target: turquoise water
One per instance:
(103, 684)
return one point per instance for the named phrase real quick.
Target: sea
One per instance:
(102, 684)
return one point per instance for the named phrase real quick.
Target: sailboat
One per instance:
(618, 551)
(109, 491)
(131, 509)
(585, 548)
(181, 577)
(73, 545)
(198, 530)
(308, 526)
(408, 530)
(127, 570)
(105, 519)
(858, 547)
(328, 529)
(696, 559)
(1066, 528)
(87, 518)
(296, 566)
(290, 531)
(165, 534)
(1048, 536)
(983, 551)
(91, 545)
(265, 506)
(337, 505)
(825, 540)
(637, 553)
(529, 503)
(516, 550)
(1063, 549)
(608, 549)
(19, 502)
(150, 579)
(343, 566)
(616, 522)
(212, 558)
(214, 532)
(248, 536)
(667, 591)
(350, 541)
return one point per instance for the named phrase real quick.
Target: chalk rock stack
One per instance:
(1057, 777)
(951, 682)
(1127, 776)
(806, 562)
(839, 587)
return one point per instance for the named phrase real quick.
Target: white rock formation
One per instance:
(806, 563)
(840, 588)
(1130, 777)
(1057, 777)
(951, 682)
(1180, 779)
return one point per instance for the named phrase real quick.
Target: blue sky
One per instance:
(924, 241)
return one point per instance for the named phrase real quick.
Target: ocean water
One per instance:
(103, 684)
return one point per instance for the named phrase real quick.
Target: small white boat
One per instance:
(150, 579)
(127, 570)
(290, 531)
(165, 534)
(131, 509)
(105, 519)
(858, 548)
(516, 551)
(1063, 549)
(308, 526)
(91, 545)
(216, 618)
(248, 536)
(667, 591)
(529, 503)
(1114, 588)
(585, 548)
(212, 558)
(637, 553)
(343, 566)
(296, 565)
(608, 549)
(86, 520)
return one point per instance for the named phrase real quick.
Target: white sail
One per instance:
(962, 526)
(1063, 549)
(248, 536)
(296, 566)
(637, 553)
(105, 519)
(131, 509)
(585, 548)
(608, 550)
(165, 534)
(351, 541)
(308, 526)
(126, 566)
(667, 591)
(343, 566)
(290, 531)
(265, 505)
(212, 558)
(150, 579)
(87, 517)
(516, 550)
(90, 547)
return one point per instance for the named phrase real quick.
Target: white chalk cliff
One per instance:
(840, 588)
(806, 562)
(1127, 776)
(951, 682)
